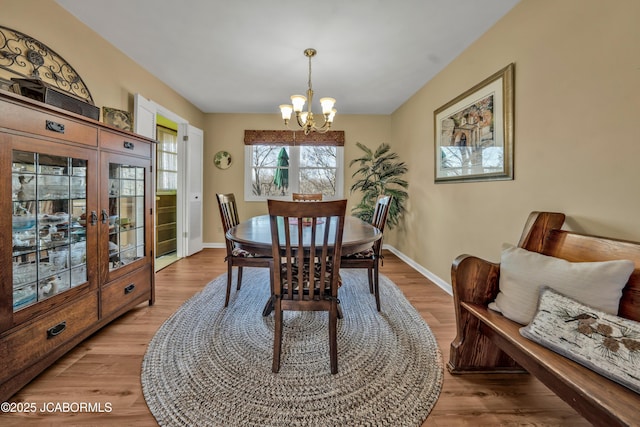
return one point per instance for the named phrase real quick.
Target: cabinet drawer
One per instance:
(125, 291)
(116, 142)
(25, 119)
(24, 347)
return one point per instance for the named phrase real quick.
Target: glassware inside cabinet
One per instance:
(126, 214)
(78, 167)
(24, 231)
(49, 243)
(23, 177)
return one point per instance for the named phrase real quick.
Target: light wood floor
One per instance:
(165, 261)
(105, 368)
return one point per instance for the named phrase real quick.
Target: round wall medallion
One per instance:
(222, 160)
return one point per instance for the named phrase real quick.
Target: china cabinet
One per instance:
(75, 223)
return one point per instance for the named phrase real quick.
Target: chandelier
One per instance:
(305, 118)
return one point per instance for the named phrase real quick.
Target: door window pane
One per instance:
(167, 159)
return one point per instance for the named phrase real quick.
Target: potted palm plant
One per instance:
(379, 172)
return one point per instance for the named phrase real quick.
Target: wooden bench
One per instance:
(488, 342)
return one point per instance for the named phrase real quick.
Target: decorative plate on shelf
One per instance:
(118, 118)
(222, 160)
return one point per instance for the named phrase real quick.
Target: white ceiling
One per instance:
(246, 56)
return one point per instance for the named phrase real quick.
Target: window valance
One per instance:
(289, 137)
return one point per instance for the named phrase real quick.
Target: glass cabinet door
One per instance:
(125, 214)
(49, 207)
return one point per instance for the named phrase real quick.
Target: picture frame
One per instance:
(118, 118)
(474, 132)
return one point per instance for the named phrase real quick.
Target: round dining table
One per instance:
(254, 235)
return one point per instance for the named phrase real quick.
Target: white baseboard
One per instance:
(444, 285)
(214, 245)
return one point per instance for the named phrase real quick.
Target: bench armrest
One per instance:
(474, 280)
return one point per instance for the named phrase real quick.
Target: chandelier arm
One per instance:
(300, 120)
(326, 125)
(323, 129)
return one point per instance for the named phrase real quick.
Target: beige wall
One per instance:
(226, 132)
(577, 146)
(112, 78)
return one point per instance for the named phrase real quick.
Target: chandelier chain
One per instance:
(310, 87)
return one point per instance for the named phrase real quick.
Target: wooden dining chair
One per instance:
(370, 258)
(236, 256)
(306, 244)
(306, 197)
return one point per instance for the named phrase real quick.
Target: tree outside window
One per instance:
(310, 169)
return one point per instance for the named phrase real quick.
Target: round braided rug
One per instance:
(211, 366)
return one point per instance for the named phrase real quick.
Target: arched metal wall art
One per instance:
(29, 58)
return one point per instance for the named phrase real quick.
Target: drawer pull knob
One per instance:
(56, 330)
(105, 216)
(129, 289)
(55, 127)
(128, 145)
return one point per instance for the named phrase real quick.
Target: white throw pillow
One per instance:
(523, 273)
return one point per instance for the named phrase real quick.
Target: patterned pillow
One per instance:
(604, 343)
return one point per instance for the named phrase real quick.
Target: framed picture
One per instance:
(118, 118)
(474, 132)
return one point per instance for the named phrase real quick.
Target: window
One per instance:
(277, 166)
(167, 160)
